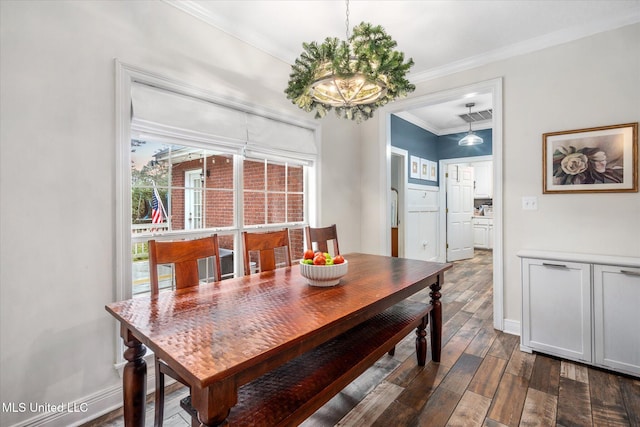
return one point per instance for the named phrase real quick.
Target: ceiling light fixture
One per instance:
(355, 76)
(470, 138)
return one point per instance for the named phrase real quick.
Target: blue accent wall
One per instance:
(426, 145)
(417, 141)
(448, 147)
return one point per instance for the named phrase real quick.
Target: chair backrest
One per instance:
(265, 244)
(321, 237)
(184, 255)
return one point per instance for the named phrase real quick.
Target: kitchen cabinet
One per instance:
(582, 307)
(482, 232)
(483, 175)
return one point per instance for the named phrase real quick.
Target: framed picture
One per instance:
(594, 160)
(433, 171)
(414, 170)
(424, 169)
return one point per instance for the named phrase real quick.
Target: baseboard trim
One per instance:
(511, 327)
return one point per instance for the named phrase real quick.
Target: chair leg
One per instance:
(159, 412)
(392, 351)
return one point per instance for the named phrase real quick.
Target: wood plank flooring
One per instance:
(483, 378)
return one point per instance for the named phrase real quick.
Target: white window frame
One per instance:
(126, 75)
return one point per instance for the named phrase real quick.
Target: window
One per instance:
(182, 191)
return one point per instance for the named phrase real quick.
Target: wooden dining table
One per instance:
(220, 336)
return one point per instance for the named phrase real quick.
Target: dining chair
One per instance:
(273, 250)
(321, 236)
(184, 255)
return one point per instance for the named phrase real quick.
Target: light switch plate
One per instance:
(530, 203)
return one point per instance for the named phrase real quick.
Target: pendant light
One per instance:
(355, 76)
(470, 138)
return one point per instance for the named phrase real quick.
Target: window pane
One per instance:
(254, 208)
(149, 173)
(275, 177)
(218, 171)
(253, 175)
(296, 239)
(149, 163)
(226, 255)
(295, 179)
(177, 218)
(276, 208)
(140, 268)
(295, 207)
(219, 208)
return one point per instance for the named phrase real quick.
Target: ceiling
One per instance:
(442, 37)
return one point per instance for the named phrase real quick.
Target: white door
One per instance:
(193, 199)
(459, 212)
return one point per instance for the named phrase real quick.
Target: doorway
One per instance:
(398, 208)
(494, 87)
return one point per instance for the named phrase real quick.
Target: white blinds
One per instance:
(187, 116)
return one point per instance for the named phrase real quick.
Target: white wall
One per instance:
(590, 82)
(58, 177)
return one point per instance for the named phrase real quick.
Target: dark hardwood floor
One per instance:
(483, 378)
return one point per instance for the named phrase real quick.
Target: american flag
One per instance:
(156, 208)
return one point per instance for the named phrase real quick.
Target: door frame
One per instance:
(493, 86)
(403, 205)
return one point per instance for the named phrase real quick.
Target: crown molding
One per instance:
(249, 37)
(621, 19)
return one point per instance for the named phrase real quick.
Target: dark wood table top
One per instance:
(246, 326)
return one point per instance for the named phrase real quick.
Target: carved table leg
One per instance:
(436, 319)
(134, 381)
(214, 403)
(421, 341)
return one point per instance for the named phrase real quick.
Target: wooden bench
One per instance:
(289, 394)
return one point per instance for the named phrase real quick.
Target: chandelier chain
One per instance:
(347, 20)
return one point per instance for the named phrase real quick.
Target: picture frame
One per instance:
(414, 167)
(433, 171)
(424, 169)
(592, 160)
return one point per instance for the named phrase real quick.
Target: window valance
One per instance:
(190, 117)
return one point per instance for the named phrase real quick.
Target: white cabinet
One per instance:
(616, 304)
(556, 318)
(582, 307)
(482, 232)
(483, 175)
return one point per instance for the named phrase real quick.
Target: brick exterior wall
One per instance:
(218, 196)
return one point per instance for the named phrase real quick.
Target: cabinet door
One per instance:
(556, 312)
(616, 301)
(483, 174)
(480, 236)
